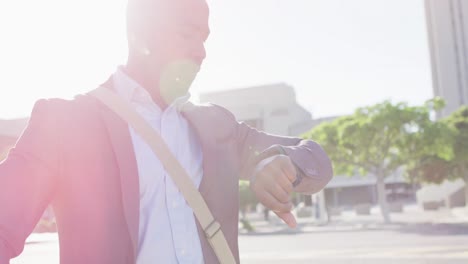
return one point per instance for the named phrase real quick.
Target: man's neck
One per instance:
(149, 83)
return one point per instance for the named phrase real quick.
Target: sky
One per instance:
(337, 54)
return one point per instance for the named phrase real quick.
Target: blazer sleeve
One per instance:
(28, 179)
(313, 166)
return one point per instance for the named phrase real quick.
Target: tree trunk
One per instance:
(243, 213)
(382, 197)
(465, 177)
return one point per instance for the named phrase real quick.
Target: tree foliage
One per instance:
(381, 138)
(458, 121)
(246, 197)
(450, 160)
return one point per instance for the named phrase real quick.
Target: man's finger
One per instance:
(279, 193)
(284, 182)
(288, 218)
(285, 172)
(273, 204)
(288, 168)
(278, 177)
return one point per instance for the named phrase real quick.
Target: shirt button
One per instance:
(174, 204)
(182, 252)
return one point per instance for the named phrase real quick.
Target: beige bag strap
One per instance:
(179, 175)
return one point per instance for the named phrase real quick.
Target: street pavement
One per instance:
(349, 239)
(356, 246)
(415, 236)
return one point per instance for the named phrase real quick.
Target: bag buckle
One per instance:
(212, 229)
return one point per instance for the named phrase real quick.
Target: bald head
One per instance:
(164, 34)
(154, 19)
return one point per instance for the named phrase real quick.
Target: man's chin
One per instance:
(173, 91)
(176, 79)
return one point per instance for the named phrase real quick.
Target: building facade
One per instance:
(272, 108)
(447, 24)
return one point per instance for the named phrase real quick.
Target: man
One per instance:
(113, 200)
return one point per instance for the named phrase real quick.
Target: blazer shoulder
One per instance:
(59, 106)
(211, 119)
(57, 113)
(49, 109)
(210, 110)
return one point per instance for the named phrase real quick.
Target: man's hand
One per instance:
(272, 183)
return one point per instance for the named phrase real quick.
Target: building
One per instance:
(447, 24)
(301, 128)
(347, 192)
(272, 108)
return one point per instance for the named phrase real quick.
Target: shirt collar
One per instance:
(133, 92)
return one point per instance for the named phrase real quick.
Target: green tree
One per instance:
(371, 141)
(450, 160)
(427, 146)
(458, 120)
(246, 199)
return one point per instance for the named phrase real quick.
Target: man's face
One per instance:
(172, 46)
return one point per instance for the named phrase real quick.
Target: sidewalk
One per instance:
(412, 219)
(35, 238)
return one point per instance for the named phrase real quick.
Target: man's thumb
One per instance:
(288, 218)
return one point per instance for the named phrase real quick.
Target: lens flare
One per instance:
(176, 79)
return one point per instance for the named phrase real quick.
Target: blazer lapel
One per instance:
(119, 136)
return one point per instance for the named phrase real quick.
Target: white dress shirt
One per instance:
(168, 232)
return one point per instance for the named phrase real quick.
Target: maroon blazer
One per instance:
(78, 156)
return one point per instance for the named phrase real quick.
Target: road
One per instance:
(418, 244)
(371, 246)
